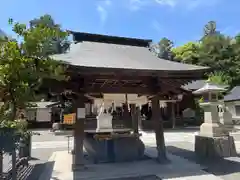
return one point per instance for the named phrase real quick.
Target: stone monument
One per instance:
(213, 140)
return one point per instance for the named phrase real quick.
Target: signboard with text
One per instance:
(69, 118)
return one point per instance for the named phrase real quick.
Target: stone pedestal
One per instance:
(120, 149)
(213, 140)
(215, 147)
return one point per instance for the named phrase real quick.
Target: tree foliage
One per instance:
(56, 44)
(218, 78)
(216, 50)
(24, 63)
(210, 29)
(163, 49)
(188, 53)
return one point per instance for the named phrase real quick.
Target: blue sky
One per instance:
(179, 20)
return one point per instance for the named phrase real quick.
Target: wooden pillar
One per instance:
(179, 117)
(134, 118)
(158, 128)
(173, 115)
(126, 115)
(79, 106)
(178, 109)
(88, 109)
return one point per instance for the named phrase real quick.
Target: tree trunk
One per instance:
(158, 128)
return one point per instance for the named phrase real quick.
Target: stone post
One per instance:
(78, 161)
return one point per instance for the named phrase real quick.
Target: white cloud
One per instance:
(136, 5)
(102, 13)
(187, 4)
(108, 2)
(193, 4)
(171, 3)
(102, 8)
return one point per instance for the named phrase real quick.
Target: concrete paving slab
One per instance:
(178, 169)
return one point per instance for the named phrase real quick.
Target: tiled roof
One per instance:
(194, 85)
(233, 95)
(106, 55)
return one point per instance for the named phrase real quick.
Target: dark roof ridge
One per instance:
(83, 36)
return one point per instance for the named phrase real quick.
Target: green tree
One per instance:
(164, 49)
(187, 53)
(210, 28)
(234, 70)
(218, 78)
(24, 64)
(216, 50)
(55, 44)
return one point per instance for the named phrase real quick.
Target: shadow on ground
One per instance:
(179, 129)
(34, 159)
(218, 167)
(149, 177)
(36, 171)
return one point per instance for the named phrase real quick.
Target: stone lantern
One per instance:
(213, 139)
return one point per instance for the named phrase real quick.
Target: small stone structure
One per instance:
(108, 144)
(213, 140)
(55, 127)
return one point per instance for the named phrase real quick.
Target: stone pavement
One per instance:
(59, 168)
(49, 141)
(179, 142)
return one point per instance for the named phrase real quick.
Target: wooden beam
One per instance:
(88, 71)
(120, 90)
(117, 77)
